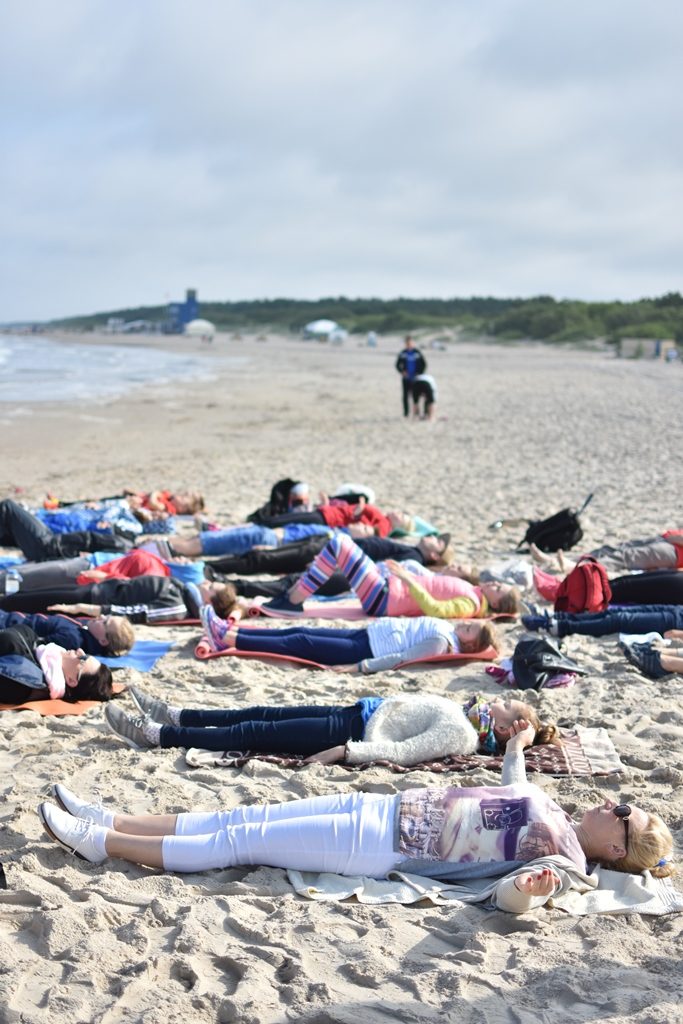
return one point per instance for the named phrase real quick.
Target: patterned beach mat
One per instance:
(583, 752)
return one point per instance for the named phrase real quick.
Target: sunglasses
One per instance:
(623, 811)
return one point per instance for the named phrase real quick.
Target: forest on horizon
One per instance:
(540, 318)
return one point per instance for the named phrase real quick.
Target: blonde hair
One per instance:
(488, 637)
(509, 602)
(446, 556)
(120, 635)
(647, 847)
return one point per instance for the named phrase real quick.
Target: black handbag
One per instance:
(536, 659)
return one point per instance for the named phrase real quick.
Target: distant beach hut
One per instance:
(203, 329)
(325, 330)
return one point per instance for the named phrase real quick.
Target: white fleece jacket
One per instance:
(411, 728)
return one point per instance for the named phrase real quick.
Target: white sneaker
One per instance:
(79, 837)
(77, 808)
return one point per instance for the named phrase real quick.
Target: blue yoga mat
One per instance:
(143, 656)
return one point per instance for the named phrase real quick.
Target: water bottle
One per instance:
(12, 582)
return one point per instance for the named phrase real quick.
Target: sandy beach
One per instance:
(520, 431)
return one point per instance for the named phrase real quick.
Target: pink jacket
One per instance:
(442, 588)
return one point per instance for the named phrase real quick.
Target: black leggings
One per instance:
(662, 586)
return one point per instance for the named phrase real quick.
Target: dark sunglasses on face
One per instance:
(623, 811)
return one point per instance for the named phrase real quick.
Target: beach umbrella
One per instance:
(200, 329)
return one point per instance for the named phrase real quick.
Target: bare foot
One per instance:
(540, 557)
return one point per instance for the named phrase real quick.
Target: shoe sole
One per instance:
(56, 839)
(58, 800)
(275, 613)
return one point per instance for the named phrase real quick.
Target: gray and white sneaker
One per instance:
(77, 808)
(128, 729)
(80, 837)
(156, 710)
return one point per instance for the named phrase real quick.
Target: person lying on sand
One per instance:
(379, 646)
(339, 514)
(19, 528)
(31, 670)
(440, 595)
(656, 658)
(237, 540)
(659, 586)
(144, 599)
(110, 635)
(662, 552)
(405, 729)
(512, 834)
(637, 618)
(432, 550)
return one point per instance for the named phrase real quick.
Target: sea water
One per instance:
(36, 368)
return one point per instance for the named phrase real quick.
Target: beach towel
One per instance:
(143, 656)
(584, 752)
(616, 892)
(204, 653)
(46, 708)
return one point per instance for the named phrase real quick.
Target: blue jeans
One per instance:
(325, 646)
(635, 618)
(237, 540)
(306, 729)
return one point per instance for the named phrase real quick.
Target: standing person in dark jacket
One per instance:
(410, 364)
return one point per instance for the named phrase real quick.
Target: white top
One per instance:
(410, 728)
(428, 379)
(394, 640)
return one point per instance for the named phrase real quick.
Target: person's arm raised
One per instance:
(514, 769)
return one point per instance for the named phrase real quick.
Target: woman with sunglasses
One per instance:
(517, 843)
(33, 670)
(111, 635)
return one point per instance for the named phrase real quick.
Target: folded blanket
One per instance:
(584, 752)
(204, 652)
(616, 892)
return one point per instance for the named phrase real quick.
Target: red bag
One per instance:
(585, 589)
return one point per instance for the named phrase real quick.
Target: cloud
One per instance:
(380, 148)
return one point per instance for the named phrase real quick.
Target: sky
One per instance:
(309, 148)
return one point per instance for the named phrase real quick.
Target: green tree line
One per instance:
(541, 318)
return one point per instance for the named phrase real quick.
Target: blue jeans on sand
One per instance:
(306, 729)
(237, 540)
(323, 645)
(635, 618)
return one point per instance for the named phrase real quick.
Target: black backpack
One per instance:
(560, 531)
(536, 659)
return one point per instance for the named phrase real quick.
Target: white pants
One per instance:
(348, 833)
